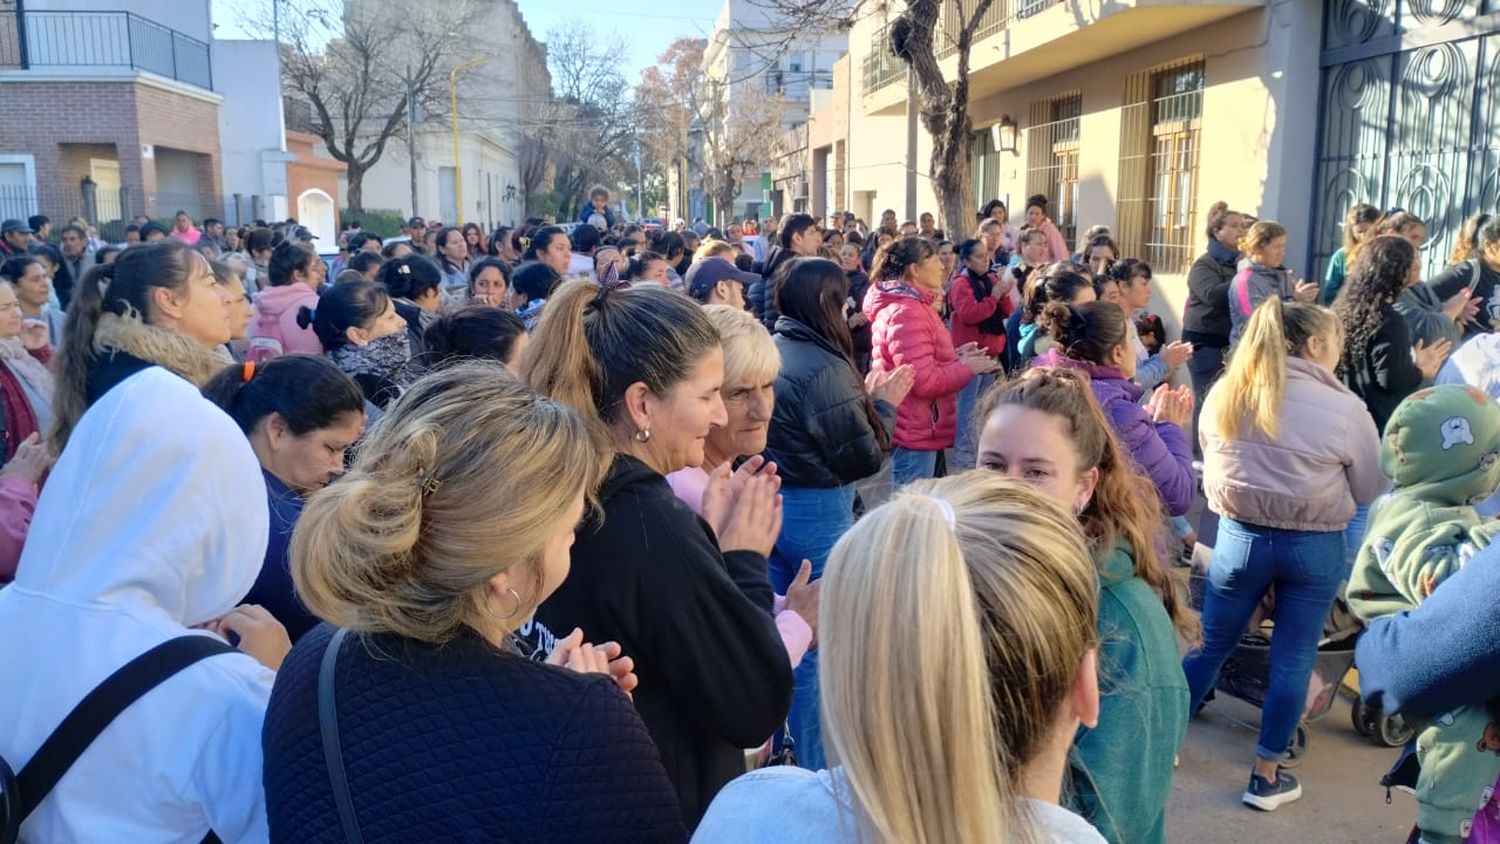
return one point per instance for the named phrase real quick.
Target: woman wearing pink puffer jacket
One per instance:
(906, 329)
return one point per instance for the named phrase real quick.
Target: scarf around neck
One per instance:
(385, 357)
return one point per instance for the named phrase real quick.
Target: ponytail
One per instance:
(1254, 384)
(592, 344)
(1087, 332)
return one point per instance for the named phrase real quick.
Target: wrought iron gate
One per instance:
(1410, 116)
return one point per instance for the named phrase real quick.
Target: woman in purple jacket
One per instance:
(1093, 337)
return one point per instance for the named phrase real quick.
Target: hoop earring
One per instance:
(643, 435)
(513, 612)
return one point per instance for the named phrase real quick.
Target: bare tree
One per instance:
(917, 34)
(739, 134)
(667, 103)
(591, 132)
(359, 66)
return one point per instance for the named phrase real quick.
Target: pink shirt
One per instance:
(17, 504)
(688, 485)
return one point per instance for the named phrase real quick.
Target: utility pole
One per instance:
(411, 136)
(911, 143)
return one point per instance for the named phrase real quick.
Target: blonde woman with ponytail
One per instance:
(432, 554)
(958, 660)
(1288, 454)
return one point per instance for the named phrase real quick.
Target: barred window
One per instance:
(1160, 131)
(1052, 158)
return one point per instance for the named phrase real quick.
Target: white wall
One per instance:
(387, 185)
(251, 127)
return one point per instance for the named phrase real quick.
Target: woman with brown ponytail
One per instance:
(687, 597)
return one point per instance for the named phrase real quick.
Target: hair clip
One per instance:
(248, 372)
(430, 484)
(947, 510)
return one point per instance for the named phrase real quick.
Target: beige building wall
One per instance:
(1256, 146)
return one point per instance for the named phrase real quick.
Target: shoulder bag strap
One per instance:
(333, 754)
(100, 707)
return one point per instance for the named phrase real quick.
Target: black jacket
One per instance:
(461, 742)
(863, 338)
(1206, 319)
(1449, 282)
(762, 294)
(1389, 374)
(820, 436)
(715, 678)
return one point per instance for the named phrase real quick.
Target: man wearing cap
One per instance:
(416, 229)
(717, 281)
(15, 236)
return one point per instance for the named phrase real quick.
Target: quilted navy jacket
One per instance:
(462, 743)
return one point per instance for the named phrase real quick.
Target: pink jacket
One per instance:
(190, 237)
(905, 328)
(1325, 460)
(1057, 248)
(274, 330)
(17, 504)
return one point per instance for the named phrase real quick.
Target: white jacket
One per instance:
(154, 519)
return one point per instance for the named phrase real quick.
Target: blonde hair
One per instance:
(750, 356)
(713, 248)
(466, 476)
(1260, 236)
(1253, 386)
(947, 651)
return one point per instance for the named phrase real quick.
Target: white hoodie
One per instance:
(153, 519)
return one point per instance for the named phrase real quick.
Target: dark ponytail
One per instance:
(346, 305)
(124, 287)
(1087, 332)
(307, 391)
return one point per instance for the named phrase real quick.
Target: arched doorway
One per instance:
(315, 210)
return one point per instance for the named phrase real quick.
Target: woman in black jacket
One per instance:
(431, 554)
(687, 597)
(828, 430)
(1206, 319)
(1380, 363)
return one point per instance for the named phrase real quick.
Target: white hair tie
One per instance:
(948, 515)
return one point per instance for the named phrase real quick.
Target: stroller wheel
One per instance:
(1394, 731)
(1362, 717)
(1297, 749)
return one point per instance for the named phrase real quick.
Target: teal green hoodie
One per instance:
(1442, 451)
(1121, 770)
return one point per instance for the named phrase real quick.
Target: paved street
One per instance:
(1342, 800)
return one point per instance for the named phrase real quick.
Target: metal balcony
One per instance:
(39, 40)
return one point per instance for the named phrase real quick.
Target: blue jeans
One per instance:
(1306, 568)
(966, 447)
(909, 464)
(1354, 536)
(812, 521)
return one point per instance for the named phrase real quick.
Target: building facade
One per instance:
(253, 153)
(750, 48)
(109, 109)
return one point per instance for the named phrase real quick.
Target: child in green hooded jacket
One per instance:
(1442, 451)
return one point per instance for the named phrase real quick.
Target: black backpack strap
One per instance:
(102, 706)
(328, 726)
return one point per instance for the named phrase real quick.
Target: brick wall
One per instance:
(108, 120)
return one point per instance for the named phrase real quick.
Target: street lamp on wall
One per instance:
(1003, 135)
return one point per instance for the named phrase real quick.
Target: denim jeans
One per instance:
(1204, 368)
(812, 521)
(1354, 536)
(966, 447)
(909, 464)
(1306, 568)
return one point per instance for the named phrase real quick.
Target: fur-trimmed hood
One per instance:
(168, 349)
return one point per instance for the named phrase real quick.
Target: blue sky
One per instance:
(647, 26)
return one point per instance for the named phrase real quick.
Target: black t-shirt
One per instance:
(1449, 282)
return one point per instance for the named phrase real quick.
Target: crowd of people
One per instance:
(560, 533)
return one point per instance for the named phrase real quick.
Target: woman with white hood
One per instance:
(151, 528)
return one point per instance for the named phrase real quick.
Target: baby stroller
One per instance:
(1247, 670)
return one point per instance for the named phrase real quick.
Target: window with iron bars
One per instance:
(1052, 158)
(1161, 126)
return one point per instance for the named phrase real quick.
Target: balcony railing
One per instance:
(34, 40)
(881, 67)
(998, 16)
